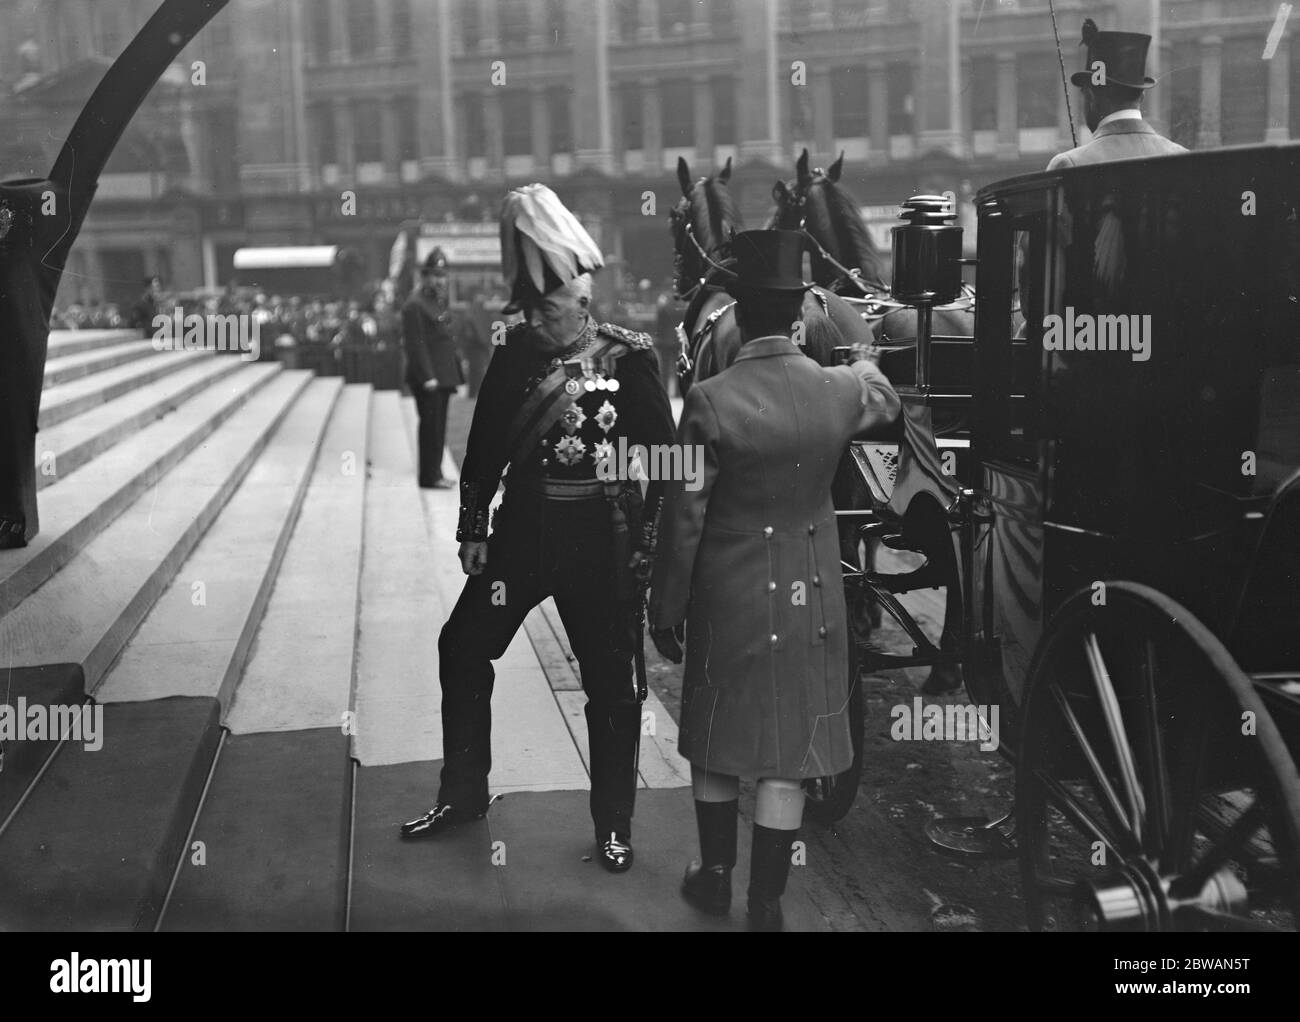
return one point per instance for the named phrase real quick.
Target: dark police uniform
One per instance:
(429, 334)
(552, 536)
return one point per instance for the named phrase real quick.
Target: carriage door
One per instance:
(1015, 268)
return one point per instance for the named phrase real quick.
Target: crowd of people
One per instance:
(334, 337)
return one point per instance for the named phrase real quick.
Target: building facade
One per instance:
(295, 122)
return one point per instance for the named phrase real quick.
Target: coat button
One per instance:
(771, 587)
(822, 631)
(767, 531)
(774, 640)
(545, 462)
(817, 580)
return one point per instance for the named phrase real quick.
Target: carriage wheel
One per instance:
(828, 799)
(1153, 790)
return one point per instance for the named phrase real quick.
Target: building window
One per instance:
(512, 23)
(633, 117)
(1244, 93)
(1295, 87)
(561, 120)
(108, 35)
(899, 79)
(218, 42)
(722, 17)
(325, 132)
(677, 103)
(1038, 90)
(321, 33)
(626, 19)
(850, 109)
(556, 27)
(408, 128)
(674, 17)
(223, 137)
(982, 88)
(849, 13)
(403, 28)
(517, 122)
(367, 132)
(471, 28)
(724, 111)
(361, 28)
(475, 129)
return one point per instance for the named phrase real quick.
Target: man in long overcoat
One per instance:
(750, 562)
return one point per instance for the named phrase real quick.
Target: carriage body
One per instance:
(1170, 463)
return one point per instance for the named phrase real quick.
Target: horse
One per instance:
(845, 260)
(703, 222)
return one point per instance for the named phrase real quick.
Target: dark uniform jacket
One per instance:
(430, 336)
(638, 412)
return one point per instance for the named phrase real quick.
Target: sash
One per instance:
(548, 401)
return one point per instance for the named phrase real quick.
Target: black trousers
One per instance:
(542, 548)
(432, 406)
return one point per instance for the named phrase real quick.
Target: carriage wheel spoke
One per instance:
(1077, 813)
(1178, 848)
(1157, 784)
(1226, 920)
(1220, 853)
(1099, 781)
(1119, 738)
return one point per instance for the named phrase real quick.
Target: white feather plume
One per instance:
(536, 223)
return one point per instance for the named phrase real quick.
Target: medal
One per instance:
(590, 384)
(611, 385)
(572, 387)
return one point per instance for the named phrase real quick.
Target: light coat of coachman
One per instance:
(750, 560)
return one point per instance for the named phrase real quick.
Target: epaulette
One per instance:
(634, 339)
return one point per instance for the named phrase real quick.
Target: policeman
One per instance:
(433, 370)
(562, 400)
(1113, 85)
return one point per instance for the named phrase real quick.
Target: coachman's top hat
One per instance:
(1123, 55)
(435, 262)
(768, 260)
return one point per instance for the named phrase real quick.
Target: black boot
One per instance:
(769, 868)
(707, 885)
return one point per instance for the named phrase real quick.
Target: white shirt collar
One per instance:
(1127, 114)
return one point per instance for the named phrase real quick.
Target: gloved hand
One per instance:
(669, 642)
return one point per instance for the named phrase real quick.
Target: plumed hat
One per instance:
(543, 246)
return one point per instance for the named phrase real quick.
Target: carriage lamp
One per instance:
(927, 267)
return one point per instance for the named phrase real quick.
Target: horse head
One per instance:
(815, 202)
(702, 223)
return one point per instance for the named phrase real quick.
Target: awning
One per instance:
(286, 257)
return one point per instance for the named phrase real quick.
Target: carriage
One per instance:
(1125, 524)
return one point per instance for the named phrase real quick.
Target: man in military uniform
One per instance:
(1113, 84)
(433, 370)
(556, 400)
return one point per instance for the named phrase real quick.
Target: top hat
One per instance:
(435, 262)
(1123, 56)
(768, 260)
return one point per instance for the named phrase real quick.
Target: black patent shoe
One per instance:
(765, 915)
(708, 888)
(616, 853)
(441, 817)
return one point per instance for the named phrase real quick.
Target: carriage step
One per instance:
(925, 577)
